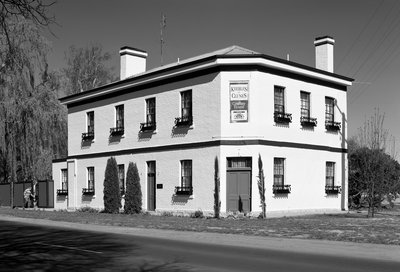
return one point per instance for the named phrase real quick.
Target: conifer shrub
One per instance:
(217, 201)
(133, 194)
(111, 194)
(261, 187)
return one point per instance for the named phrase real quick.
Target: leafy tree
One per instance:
(133, 194)
(261, 185)
(217, 201)
(111, 194)
(86, 68)
(373, 176)
(33, 123)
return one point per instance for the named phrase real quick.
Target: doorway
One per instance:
(238, 183)
(151, 185)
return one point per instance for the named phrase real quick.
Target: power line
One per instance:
(392, 26)
(372, 38)
(377, 69)
(360, 34)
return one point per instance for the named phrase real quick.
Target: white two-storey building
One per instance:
(233, 104)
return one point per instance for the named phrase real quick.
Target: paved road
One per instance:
(29, 247)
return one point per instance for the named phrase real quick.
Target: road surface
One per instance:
(28, 247)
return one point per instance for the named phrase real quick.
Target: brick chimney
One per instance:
(133, 61)
(324, 53)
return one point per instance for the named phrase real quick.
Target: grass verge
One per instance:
(350, 227)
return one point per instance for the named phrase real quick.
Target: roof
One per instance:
(231, 52)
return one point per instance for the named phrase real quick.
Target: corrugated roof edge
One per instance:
(222, 53)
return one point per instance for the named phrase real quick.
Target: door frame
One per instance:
(154, 187)
(246, 168)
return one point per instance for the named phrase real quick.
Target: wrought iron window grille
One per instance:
(88, 191)
(308, 121)
(183, 190)
(281, 189)
(87, 136)
(332, 189)
(184, 121)
(62, 192)
(282, 117)
(332, 126)
(117, 131)
(148, 126)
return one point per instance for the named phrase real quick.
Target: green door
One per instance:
(151, 185)
(238, 191)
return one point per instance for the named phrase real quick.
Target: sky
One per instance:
(366, 33)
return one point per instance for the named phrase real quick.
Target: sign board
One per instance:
(239, 100)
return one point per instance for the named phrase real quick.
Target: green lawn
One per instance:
(352, 227)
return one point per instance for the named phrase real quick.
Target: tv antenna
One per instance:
(163, 25)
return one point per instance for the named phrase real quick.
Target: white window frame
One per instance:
(283, 98)
(121, 106)
(88, 169)
(64, 179)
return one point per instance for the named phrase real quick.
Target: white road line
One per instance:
(67, 247)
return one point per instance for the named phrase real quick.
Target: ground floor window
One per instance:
(64, 179)
(280, 186)
(186, 173)
(186, 178)
(330, 187)
(90, 180)
(279, 171)
(121, 178)
(330, 174)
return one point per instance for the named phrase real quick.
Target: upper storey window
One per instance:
(305, 104)
(305, 118)
(279, 99)
(150, 123)
(186, 118)
(280, 115)
(330, 123)
(119, 121)
(89, 134)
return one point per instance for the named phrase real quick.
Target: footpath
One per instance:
(329, 248)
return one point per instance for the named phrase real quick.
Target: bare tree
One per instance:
(87, 68)
(12, 11)
(374, 135)
(373, 170)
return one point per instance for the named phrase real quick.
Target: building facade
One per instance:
(234, 105)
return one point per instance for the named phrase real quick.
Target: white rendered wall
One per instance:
(324, 57)
(261, 123)
(167, 174)
(305, 168)
(132, 64)
(304, 171)
(206, 112)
